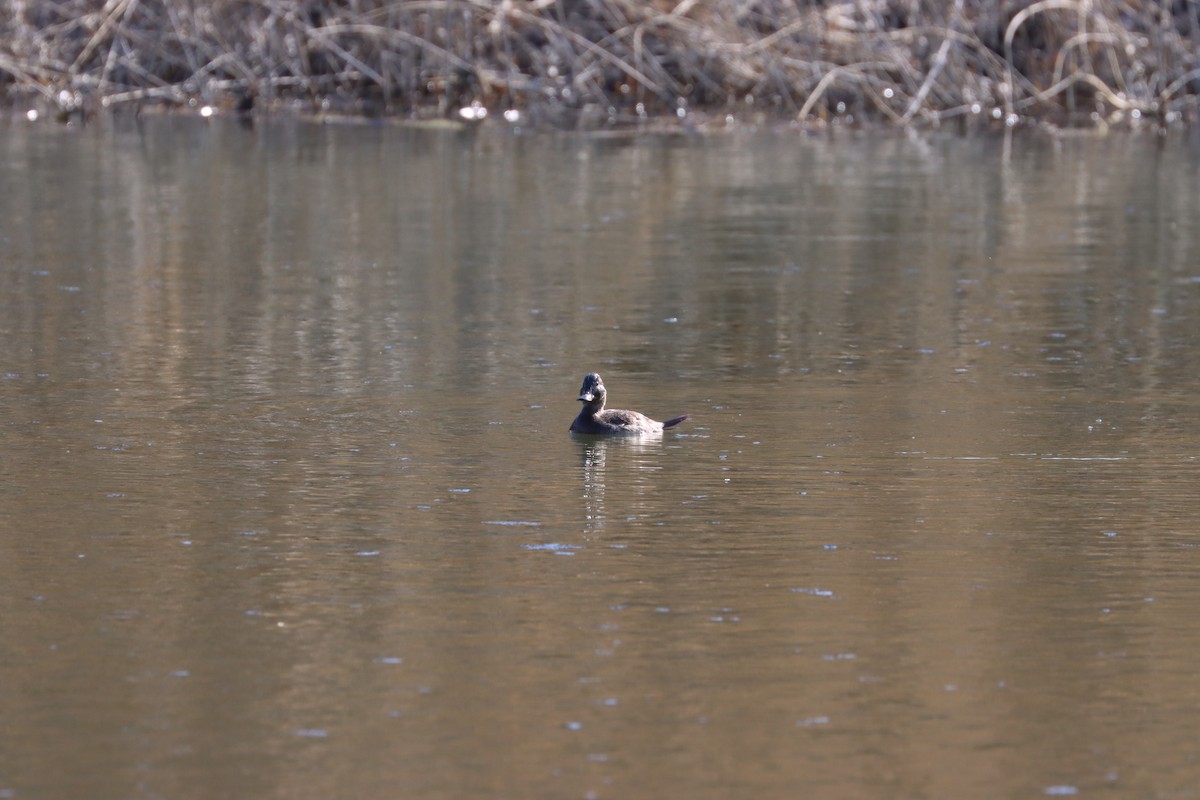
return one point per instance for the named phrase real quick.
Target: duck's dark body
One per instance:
(595, 420)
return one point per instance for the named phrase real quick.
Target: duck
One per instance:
(595, 420)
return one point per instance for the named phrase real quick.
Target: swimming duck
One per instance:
(593, 419)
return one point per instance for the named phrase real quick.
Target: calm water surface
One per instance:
(288, 507)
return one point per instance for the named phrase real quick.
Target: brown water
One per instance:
(288, 507)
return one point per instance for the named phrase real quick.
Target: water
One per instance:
(288, 507)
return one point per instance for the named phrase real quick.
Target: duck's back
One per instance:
(615, 420)
(631, 421)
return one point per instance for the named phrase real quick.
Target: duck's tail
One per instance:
(674, 421)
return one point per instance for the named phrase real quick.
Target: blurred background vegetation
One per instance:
(595, 63)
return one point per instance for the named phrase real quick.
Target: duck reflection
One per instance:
(627, 462)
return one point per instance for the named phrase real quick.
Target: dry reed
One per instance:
(597, 62)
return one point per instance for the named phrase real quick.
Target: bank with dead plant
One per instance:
(597, 63)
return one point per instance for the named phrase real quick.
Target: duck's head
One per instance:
(592, 391)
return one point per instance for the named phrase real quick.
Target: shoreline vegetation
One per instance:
(596, 64)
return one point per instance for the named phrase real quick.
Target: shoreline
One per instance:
(614, 64)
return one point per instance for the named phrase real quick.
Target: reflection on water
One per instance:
(290, 508)
(635, 464)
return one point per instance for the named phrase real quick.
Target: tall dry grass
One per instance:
(611, 61)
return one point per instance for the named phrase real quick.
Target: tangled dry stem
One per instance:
(613, 61)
